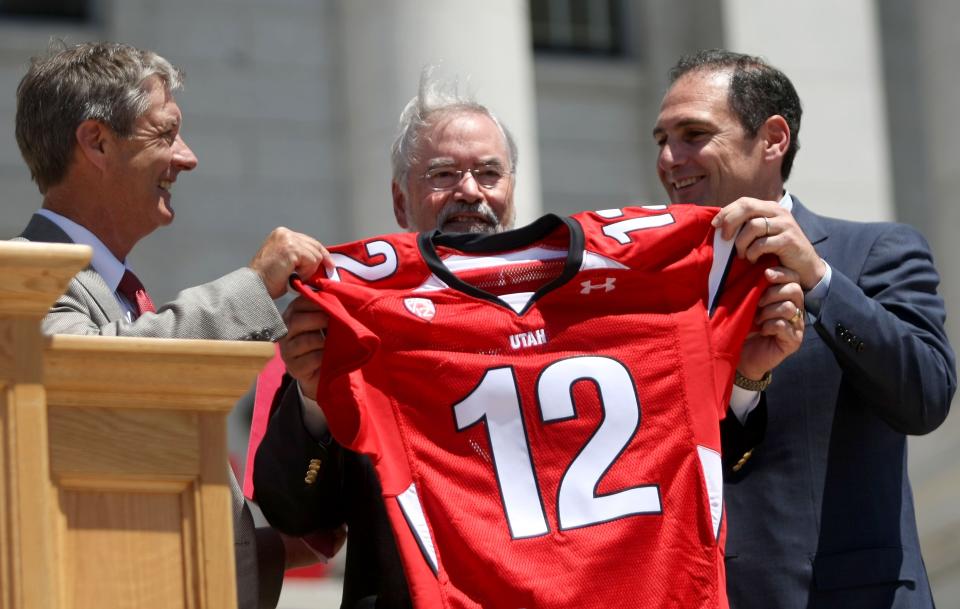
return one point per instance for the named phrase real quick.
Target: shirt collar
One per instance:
(103, 261)
(786, 201)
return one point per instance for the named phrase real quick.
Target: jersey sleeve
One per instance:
(734, 288)
(349, 345)
(364, 271)
(647, 239)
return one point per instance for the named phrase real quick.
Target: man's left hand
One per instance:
(302, 347)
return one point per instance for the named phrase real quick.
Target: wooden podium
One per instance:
(113, 457)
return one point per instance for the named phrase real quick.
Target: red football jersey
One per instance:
(542, 405)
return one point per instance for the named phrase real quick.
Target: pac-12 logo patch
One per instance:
(421, 307)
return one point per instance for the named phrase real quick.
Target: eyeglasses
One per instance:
(445, 178)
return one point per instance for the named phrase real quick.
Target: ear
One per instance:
(92, 139)
(776, 137)
(399, 205)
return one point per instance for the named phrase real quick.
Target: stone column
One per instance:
(920, 51)
(831, 53)
(384, 47)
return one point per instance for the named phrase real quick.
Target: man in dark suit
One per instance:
(821, 513)
(105, 157)
(440, 131)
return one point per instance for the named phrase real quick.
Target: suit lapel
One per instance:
(42, 230)
(100, 293)
(809, 222)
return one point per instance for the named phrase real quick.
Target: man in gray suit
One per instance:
(99, 128)
(821, 514)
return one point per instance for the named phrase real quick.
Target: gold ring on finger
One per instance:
(796, 316)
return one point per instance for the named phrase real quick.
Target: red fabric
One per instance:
(315, 571)
(268, 381)
(456, 398)
(131, 289)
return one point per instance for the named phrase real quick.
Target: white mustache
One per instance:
(454, 208)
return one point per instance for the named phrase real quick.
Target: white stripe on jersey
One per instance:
(432, 284)
(596, 261)
(413, 512)
(517, 300)
(722, 251)
(457, 263)
(712, 467)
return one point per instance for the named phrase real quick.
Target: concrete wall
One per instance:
(830, 50)
(920, 53)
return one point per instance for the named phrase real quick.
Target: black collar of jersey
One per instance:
(478, 243)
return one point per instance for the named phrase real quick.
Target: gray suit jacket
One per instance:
(821, 515)
(234, 307)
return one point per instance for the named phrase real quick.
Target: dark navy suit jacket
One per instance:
(821, 514)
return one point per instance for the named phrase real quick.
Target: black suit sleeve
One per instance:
(737, 440)
(288, 501)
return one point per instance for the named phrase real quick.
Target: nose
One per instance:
(183, 157)
(468, 189)
(670, 156)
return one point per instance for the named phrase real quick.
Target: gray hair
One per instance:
(435, 99)
(101, 81)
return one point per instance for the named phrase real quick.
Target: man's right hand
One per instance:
(302, 347)
(285, 252)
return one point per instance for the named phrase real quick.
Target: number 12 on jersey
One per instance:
(495, 402)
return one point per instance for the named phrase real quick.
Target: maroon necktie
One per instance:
(135, 293)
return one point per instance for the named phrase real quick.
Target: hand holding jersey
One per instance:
(283, 252)
(765, 227)
(302, 347)
(780, 324)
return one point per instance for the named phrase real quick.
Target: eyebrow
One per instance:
(165, 126)
(439, 162)
(449, 162)
(491, 161)
(687, 122)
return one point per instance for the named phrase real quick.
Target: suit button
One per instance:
(312, 470)
(743, 460)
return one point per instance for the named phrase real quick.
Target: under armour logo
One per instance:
(606, 286)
